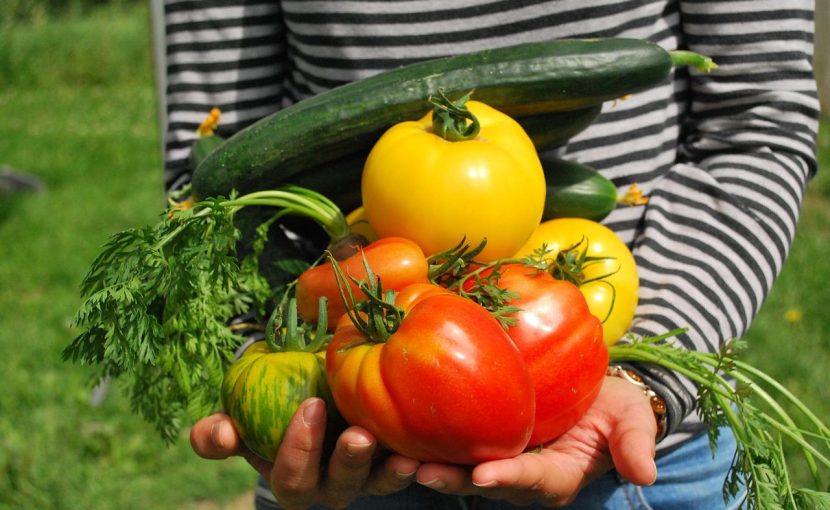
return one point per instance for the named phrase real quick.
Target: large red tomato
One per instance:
(398, 261)
(447, 386)
(561, 343)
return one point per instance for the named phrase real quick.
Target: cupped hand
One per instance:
(618, 432)
(298, 476)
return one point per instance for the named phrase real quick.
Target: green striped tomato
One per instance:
(263, 389)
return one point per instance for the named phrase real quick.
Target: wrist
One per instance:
(658, 404)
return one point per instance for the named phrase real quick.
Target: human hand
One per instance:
(618, 431)
(297, 476)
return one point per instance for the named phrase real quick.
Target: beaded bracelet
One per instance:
(658, 405)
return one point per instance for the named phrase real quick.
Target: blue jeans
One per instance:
(688, 478)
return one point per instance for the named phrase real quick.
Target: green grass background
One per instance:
(77, 110)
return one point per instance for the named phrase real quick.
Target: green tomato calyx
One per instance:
(375, 314)
(451, 120)
(284, 332)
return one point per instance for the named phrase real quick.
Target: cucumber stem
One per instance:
(690, 58)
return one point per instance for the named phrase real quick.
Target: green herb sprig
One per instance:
(157, 302)
(749, 408)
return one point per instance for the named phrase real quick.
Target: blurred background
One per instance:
(80, 158)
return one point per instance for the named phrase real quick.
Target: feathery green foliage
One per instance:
(753, 413)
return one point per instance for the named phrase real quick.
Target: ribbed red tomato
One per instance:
(448, 385)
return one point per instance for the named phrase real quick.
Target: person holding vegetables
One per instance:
(723, 159)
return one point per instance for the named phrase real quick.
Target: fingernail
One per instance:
(491, 483)
(434, 484)
(404, 476)
(355, 449)
(313, 412)
(216, 434)
(655, 472)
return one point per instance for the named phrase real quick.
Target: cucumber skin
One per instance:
(575, 190)
(547, 130)
(519, 80)
(203, 146)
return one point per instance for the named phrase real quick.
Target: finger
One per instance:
(632, 445)
(349, 467)
(529, 478)
(393, 475)
(215, 437)
(447, 478)
(296, 473)
(520, 481)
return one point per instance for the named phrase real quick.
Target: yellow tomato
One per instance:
(436, 192)
(611, 299)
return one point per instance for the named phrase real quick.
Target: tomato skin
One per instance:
(601, 242)
(422, 187)
(448, 386)
(263, 389)
(399, 262)
(561, 342)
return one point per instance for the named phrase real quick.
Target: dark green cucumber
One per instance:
(340, 180)
(550, 129)
(520, 80)
(575, 190)
(202, 146)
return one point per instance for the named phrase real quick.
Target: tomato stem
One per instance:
(292, 337)
(491, 268)
(451, 120)
(569, 264)
(284, 332)
(273, 325)
(321, 334)
(446, 266)
(376, 316)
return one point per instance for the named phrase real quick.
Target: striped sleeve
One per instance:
(229, 54)
(720, 222)
(724, 157)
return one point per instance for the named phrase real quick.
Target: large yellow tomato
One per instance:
(418, 185)
(612, 299)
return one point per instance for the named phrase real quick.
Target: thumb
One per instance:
(215, 437)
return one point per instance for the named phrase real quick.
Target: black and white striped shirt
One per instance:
(723, 157)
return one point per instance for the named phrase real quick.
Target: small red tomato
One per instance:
(397, 261)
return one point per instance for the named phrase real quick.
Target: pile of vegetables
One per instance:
(466, 310)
